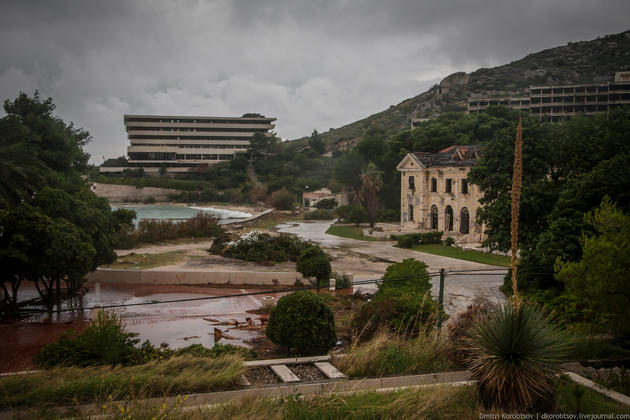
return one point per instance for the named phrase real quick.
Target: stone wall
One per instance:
(128, 193)
(235, 278)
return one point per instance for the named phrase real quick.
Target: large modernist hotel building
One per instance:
(183, 143)
(556, 103)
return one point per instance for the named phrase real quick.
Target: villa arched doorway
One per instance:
(434, 217)
(448, 219)
(464, 221)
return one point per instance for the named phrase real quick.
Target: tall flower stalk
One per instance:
(516, 197)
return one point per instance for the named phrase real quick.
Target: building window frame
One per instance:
(433, 184)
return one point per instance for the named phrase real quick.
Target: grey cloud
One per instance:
(310, 63)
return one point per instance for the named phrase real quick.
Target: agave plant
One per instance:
(515, 352)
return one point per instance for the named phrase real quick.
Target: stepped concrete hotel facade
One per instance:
(556, 103)
(434, 193)
(185, 143)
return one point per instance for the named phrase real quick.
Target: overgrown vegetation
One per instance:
(105, 342)
(261, 247)
(157, 231)
(402, 303)
(158, 378)
(389, 353)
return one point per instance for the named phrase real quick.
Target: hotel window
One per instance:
(449, 185)
(464, 186)
(433, 185)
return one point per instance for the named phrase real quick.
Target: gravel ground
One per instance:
(261, 375)
(307, 372)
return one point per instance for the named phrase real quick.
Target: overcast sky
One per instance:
(312, 64)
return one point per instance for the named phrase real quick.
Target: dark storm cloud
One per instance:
(312, 64)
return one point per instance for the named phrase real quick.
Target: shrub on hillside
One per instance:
(303, 323)
(402, 304)
(282, 199)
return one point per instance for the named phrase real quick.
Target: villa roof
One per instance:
(451, 156)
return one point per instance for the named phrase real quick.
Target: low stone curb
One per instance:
(613, 395)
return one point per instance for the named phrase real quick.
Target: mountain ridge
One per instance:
(580, 62)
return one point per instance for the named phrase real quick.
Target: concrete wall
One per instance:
(128, 193)
(265, 278)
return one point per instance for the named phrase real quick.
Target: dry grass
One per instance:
(143, 261)
(387, 354)
(67, 385)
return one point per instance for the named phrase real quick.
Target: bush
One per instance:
(104, 341)
(152, 231)
(402, 304)
(514, 356)
(319, 214)
(449, 241)
(352, 213)
(282, 199)
(459, 329)
(302, 322)
(262, 247)
(342, 280)
(326, 204)
(314, 265)
(413, 239)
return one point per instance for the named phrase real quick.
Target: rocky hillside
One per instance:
(594, 61)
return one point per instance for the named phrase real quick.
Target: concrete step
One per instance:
(285, 373)
(329, 370)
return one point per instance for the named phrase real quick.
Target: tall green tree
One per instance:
(599, 280)
(316, 143)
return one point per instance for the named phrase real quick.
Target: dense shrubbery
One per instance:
(262, 247)
(413, 239)
(152, 231)
(352, 213)
(319, 214)
(402, 304)
(326, 204)
(302, 322)
(105, 342)
(282, 199)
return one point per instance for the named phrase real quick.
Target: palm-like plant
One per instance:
(514, 354)
(371, 184)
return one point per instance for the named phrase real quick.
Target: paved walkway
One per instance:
(460, 290)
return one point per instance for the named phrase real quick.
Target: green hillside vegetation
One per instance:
(593, 61)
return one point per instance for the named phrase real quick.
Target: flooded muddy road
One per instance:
(177, 324)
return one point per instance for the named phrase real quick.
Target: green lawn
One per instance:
(464, 254)
(352, 232)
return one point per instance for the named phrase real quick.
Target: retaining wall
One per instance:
(264, 278)
(128, 193)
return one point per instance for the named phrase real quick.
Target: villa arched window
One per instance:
(464, 221)
(448, 218)
(434, 217)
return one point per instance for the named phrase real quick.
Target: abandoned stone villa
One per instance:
(435, 195)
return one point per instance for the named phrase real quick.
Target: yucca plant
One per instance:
(514, 354)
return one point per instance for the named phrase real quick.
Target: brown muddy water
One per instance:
(177, 324)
